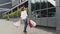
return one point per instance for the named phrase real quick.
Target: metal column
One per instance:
(58, 17)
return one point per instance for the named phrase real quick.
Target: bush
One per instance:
(13, 14)
(5, 16)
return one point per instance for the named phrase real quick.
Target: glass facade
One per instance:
(52, 12)
(43, 12)
(42, 8)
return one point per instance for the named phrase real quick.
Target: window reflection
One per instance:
(37, 2)
(51, 12)
(44, 13)
(38, 14)
(32, 5)
(43, 4)
(33, 13)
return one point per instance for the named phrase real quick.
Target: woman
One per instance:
(24, 17)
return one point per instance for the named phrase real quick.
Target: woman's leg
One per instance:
(25, 25)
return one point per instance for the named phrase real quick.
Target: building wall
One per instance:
(7, 6)
(4, 1)
(12, 3)
(17, 2)
(3, 4)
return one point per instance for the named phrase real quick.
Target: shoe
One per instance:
(25, 32)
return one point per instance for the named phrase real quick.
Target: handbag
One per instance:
(32, 23)
(16, 23)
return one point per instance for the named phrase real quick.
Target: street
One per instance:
(7, 27)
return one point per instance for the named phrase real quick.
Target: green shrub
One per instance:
(13, 14)
(5, 16)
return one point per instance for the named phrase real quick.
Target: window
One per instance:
(50, 5)
(38, 14)
(43, 4)
(51, 12)
(43, 13)
(37, 3)
(42, 8)
(32, 5)
(13, 2)
(17, 2)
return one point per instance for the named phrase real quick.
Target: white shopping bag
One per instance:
(16, 23)
(33, 23)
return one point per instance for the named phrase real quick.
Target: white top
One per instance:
(24, 14)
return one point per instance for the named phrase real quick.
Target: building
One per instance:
(10, 3)
(7, 6)
(45, 13)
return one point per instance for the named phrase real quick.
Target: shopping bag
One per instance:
(32, 23)
(16, 23)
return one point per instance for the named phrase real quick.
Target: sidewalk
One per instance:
(7, 27)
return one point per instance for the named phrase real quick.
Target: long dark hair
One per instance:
(22, 8)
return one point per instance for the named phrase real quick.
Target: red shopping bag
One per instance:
(30, 24)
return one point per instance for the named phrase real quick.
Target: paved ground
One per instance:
(7, 27)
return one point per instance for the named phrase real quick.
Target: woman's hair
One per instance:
(22, 8)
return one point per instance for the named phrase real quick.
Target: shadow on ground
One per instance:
(48, 29)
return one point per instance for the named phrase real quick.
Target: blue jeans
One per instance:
(25, 25)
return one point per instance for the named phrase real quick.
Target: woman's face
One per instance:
(22, 8)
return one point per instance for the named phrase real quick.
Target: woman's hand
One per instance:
(28, 19)
(20, 21)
